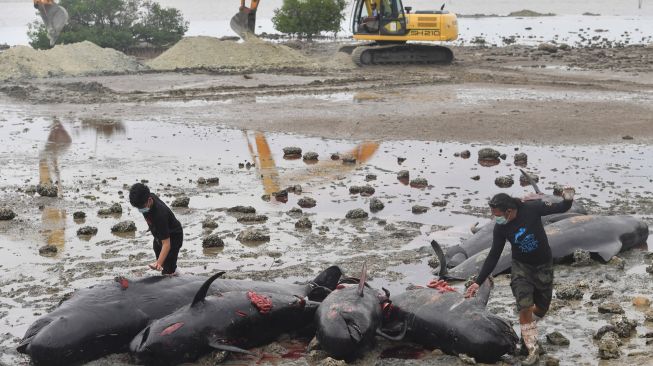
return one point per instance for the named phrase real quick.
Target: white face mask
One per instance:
(144, 210)
(500, 220)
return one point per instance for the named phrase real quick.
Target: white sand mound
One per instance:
(84, 58)
(212, 53)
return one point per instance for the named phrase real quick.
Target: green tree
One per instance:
(118, 24)
(307, 18)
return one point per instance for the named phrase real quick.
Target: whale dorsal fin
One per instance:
(201, 293)
(361, 282)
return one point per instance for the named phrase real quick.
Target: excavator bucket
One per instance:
(244, 22)
(54, 17)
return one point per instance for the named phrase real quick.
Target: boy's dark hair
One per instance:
(138, 195)
(504, 202)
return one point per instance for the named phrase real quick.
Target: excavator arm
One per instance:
(244, 22)
(54, 17)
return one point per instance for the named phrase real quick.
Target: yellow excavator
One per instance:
(389, 25)
(54, 17)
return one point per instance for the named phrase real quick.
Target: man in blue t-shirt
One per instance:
(532, 264)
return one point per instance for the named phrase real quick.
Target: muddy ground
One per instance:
(583, 116)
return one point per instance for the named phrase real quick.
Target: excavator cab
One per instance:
(383, 17)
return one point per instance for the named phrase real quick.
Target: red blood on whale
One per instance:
(172, 328)
(262, 303)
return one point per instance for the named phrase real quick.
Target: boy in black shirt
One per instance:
(532, 264)
(166, 229)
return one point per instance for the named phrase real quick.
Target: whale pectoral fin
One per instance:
(225, 347)
(608, 250)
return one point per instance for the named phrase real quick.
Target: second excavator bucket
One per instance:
(54, 17)
(244, 22)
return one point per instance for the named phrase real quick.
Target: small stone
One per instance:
(504, 181)
(627, 137)
(292, 152)
(476, 177)
(213, 180)
(332, 362)
(419, 183)
(521, 159)
(582, 258)
(648, 315)
(6, 214)
(265, 197)
(253, 235)
(439, 203)
(547, 47)
(295, 212)
(357, 213)
(249, 218)
(601, 293)
(310, 156)
(617, 262)
(48, 250)
(624, 327)
(335, 156)
(113, 210)
(281, 195)
(608, 348)
(306, 202)
(376, 205)
(557, 339)
(201, 180)
(366, 191)
(400, 160)
(569, 292)
(641, 301)
(180, 202)
(417, 209)
(79, 215)
(303, 223)
(212, 241)
(87, 231)
(370, 177)
(242, 209)
(403, 174)
(47, 190)
(348, 160)
(610, 308)
(466, 359)
(551, 361)
(209, 224)
(434, 262)
(127, 226)
(604, 329)
(488, 154)
(465, 154)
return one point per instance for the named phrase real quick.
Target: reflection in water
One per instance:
(104, 126)
(53, 219)
(324, 170)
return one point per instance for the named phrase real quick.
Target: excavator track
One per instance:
(404, 54)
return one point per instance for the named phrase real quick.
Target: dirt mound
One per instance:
(212, 53)
(84, 58)
(529, 13)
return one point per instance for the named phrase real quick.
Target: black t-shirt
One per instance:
(161, 220)
(526, 235)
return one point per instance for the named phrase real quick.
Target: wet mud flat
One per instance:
(217, 139)
(92, 159)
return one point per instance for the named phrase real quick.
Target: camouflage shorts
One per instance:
(532, 284)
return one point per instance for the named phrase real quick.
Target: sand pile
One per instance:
(84, 58)
(212, 53)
